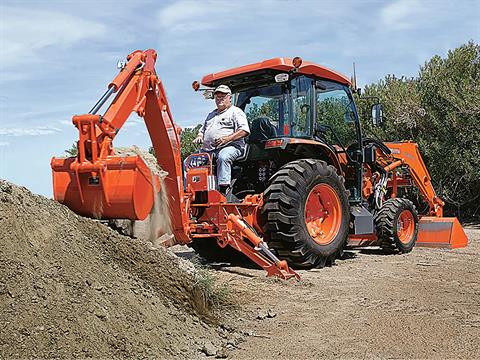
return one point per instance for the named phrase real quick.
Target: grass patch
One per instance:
(215, 294)
(210, 295)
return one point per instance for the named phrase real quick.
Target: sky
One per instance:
(57, 57)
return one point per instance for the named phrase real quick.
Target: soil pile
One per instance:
(71, 286)
(158, 222)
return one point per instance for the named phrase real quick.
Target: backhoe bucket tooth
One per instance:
(441, 232)
(115, 188)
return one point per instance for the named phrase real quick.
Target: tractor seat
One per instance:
(261, 130)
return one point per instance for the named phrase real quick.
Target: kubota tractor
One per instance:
(308, 185)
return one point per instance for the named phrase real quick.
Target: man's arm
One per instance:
(229, 138)
(199, 138)
(241, 124)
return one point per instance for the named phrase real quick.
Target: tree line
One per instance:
(440, 110)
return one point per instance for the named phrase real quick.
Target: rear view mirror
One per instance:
(282, 77)
(377, 114)
(208, 94)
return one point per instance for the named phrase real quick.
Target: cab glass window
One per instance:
(267, 103)
(335, 108)
(302, 92)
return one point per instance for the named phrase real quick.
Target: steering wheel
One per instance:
(352, 149)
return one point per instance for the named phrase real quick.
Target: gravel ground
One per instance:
(425, 304)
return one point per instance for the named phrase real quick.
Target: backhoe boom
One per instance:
(105, 186)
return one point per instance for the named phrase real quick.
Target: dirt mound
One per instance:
(71, 286)
(158, 222)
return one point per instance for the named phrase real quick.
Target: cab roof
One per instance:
(280, 64)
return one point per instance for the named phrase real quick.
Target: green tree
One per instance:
(449, 134)
(186, 140)
(187, 135)
(268, 109)
(440, 110)
(332, 111)
(73, 150)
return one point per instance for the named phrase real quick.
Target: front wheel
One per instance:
(397, 225)
(305, 214)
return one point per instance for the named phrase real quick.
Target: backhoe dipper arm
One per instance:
(140, 90)
(407, 153)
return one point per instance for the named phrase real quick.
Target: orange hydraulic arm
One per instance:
(407, 153)
(124, 184)
(434, 229)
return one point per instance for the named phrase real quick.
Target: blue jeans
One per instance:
(224, 159)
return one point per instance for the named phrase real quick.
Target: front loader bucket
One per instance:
(115, 188)
(441, 232)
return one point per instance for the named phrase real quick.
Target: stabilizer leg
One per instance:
(238, 229)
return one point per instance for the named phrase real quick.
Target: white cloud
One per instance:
(4, 143)
(402, 14)
(32, 131)
(133, 121)
(26, 32)
(66, 122)
(186, 16)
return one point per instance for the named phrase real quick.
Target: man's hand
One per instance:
(198, 140)
(222, 141)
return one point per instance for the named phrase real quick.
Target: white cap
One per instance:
(223, 89)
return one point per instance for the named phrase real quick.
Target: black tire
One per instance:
(283, 215)
(387, 221)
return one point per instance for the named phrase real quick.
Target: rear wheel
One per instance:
(305, 214)
(397, 225)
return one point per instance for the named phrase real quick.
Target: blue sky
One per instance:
(57, 57)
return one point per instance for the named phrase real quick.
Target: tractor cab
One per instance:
(300, 108)
(295, 110)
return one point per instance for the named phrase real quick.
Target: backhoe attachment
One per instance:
(99, 184)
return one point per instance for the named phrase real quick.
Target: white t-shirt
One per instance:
(219, 124)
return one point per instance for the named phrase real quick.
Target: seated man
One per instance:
(223, 134)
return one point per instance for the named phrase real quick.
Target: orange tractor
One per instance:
(308, 185)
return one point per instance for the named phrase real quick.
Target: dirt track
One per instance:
(422, 305)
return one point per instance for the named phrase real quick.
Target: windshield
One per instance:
(335, 108)
(266, 103)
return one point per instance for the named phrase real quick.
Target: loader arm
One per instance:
(98, 184)
(434, 229)
(407, 153)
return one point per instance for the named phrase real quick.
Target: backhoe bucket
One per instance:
(115, 188)
(441, 232)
